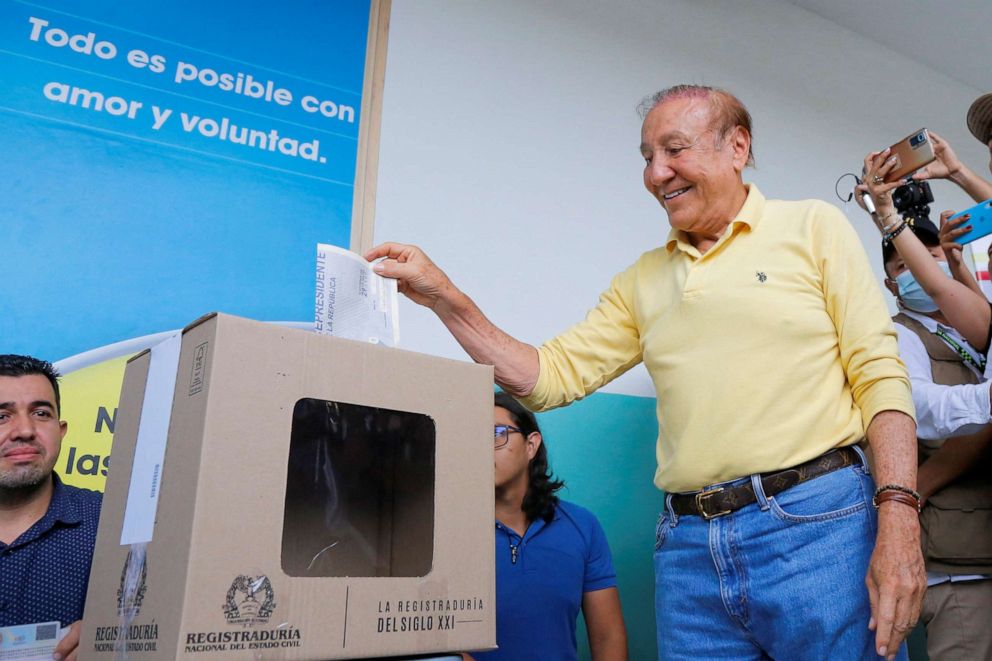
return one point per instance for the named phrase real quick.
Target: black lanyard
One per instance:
(964, 353)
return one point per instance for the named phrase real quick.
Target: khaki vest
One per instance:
(957, 520)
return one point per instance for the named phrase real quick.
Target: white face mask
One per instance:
(911, 293)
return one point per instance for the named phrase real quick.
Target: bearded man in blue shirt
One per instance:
(47, 529)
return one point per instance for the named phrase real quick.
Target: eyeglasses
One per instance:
(501, 435)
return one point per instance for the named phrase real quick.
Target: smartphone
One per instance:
(912, 153)
(980, 221)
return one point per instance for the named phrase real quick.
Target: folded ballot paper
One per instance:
(30, 641)
(353, 301)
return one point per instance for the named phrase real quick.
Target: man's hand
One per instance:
(877, 165)
(516, 364)
(950, 230)
(419, 278)
(68, 646)
(947, 165)
(896, 577)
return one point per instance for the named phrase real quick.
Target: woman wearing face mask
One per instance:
(901, 282)
(926, 285)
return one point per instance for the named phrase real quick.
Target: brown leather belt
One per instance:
(717, 501)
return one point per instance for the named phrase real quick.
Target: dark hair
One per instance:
(726, 109)
(540, 500)
(14, 365)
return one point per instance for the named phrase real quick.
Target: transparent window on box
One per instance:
(359, 491)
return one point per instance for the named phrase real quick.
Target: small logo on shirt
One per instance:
(761, 276)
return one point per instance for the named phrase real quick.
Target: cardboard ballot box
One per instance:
(304, 497)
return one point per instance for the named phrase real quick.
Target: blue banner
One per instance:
(163, 160)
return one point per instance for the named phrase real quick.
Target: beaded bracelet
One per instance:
(898, 487)
(896, 232)
(888, 228)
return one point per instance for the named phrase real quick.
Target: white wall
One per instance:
(510, 140)
(510, 153)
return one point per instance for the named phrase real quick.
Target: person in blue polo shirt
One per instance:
(552, 558)
(47, 529)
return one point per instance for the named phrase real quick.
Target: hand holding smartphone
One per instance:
(980, 221)
(912, 153)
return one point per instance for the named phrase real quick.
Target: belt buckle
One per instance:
(702, 510)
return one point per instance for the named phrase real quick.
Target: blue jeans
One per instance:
(782, 578)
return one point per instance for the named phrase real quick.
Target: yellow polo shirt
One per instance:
(769, 350)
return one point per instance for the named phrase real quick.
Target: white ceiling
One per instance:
(949, 36)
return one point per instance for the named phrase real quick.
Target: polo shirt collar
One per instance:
(62, 509)
(535, 526)
(749, 215)
(539, 524)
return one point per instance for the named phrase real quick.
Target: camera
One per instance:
(918, 139)
(912, 200)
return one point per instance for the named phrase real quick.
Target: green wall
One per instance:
(603, 447)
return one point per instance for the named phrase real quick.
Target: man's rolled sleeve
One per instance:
(866, 339)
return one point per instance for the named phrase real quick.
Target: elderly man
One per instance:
(773, 357)
(47, 529)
